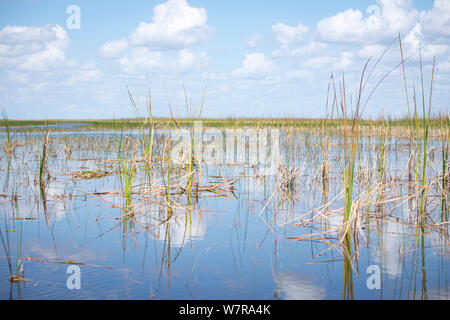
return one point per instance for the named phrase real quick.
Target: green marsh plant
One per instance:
(194, 115)
(146, 132)
(9, 144)
(420, 125)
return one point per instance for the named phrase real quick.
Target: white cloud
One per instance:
(444, 66)
(436, 22)
(39, 86)
(340, 62)
(313, 48)
(255, 65)
(383, 23)
(17, 77)
(371, 50)
(34, 48)
(288, 36)
(141, 59)
(214, 76)
(18, 35)
(114, 49)
(175, 25)
(253, 41)
(299, 74)
(188, 60)
(137, 59)
(344, 61)
(429, 49)
(85, 75)
(319, 62)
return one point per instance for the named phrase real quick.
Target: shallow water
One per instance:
(217, 246)
(64, 126)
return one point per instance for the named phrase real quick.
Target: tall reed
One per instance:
(44, 175)
(127, 163)
(9, 145)
(146, 131)
(422, 124)
(194, 114)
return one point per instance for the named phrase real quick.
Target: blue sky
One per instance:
(253, 58)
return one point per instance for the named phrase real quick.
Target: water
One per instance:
(217, 246)
(64, 126)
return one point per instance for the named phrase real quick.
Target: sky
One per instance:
(76, 59)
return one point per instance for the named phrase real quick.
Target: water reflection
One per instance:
(294, 287)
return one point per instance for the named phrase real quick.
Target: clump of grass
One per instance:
(194, 115)
(424, 125)
(127, 170)
(44, 174)
(9, 144)
(445, 138)
(191, 111)
(146, 129)
(351, 139)
(169, 168)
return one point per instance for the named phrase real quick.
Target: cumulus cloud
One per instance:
(417, 37)
(163, 44)
(24, 49)
(175, 25)
(255, 65)
(382, 23)
(140, 58)
(370, 34)
(436, 22)
(34, 48)
(288, 36)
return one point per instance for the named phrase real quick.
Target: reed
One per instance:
(445, 136)
(194, 114)
(169, 168)
(127, 169)
(420, 125)
(146, 131)
(44, 175)
(425, 120)
(382, 153)
(9, 144)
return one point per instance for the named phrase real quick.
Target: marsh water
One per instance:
(252, 241)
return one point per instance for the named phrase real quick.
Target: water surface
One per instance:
(246, 245)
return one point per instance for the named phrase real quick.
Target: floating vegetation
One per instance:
(91, 174)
